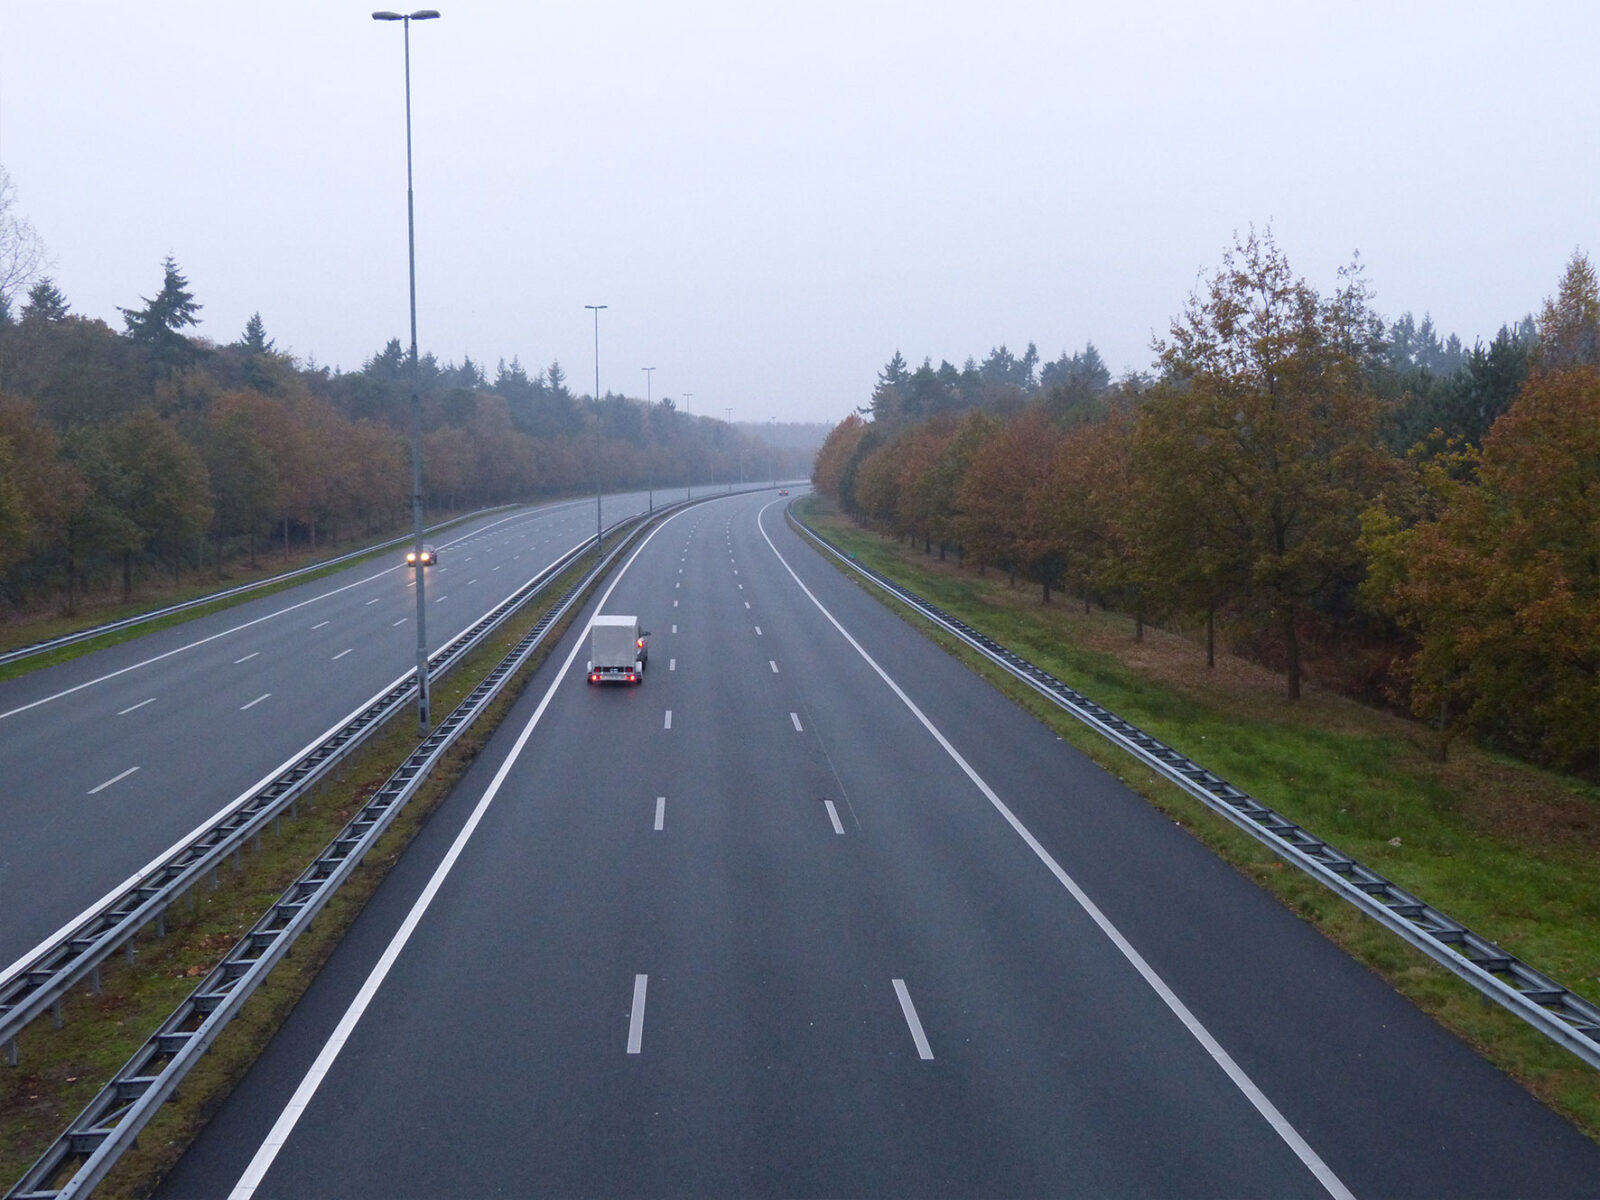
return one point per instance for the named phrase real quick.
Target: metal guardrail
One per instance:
(1556, 1011)
(84, 635)
(40, 981)
(91, 1145)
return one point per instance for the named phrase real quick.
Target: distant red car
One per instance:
(783, 491)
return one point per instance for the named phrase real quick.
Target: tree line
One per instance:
(142, 451)
(1297, 473)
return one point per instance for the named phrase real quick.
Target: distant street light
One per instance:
(419, 565)
(599, 546)
(649, 466)
(689, 412)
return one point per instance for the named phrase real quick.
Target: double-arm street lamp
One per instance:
(598, 527)
(418, 563)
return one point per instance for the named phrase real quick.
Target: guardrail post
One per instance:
(94, 981)
(161, 923)
(128, 951)
(11, 1053)
(55, 1013)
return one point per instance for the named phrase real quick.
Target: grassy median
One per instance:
(1505, 848)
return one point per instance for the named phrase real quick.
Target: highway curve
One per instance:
(816, 911)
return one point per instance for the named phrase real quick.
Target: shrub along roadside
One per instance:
(61, 1070)
(1501, 846)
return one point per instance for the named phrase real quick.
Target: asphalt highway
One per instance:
(815, 911)
(109, 759)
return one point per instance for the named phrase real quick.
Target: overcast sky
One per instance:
(773, 198)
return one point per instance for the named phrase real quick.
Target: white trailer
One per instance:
(618, 650)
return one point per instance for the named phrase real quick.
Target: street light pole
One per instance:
(729, 411)
(419, 567)
(689, 413)
(599, 528)
(649, 415)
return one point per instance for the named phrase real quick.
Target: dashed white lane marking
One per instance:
(741, 586)
(441, 599)
(113, 779)
(401, 621)
(773, 664)
(661, 812)
(674, 604)
(470, 582)
(677, 585)
(672, 664)
(497, 568)
(1301, 1148)
(320, 624)
(747, 604)
(924, 1051)
(341, 654)
(833, 815)
(256, 701)
(668, 723)
(374, 600)
(636, 1020)
(674, 629)
(758, 631)
(795, 717)
(247, 657)
(141, 704)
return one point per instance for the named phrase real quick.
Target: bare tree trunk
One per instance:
(72, 572)
(1291, 646)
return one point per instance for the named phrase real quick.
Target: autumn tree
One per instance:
(994, 519)
(1569, 326)
(838, 449)
(1502, 588)
(1268, 400)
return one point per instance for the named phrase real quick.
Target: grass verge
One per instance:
(41, 628)
(61, 1070)
(1505, 848)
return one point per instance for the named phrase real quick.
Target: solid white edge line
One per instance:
(16, 966)
(636, 1017)
(833, 815)
(262, 1161)
(924, 1051)
(114, 779)
(1269, 1111)
(661, 812)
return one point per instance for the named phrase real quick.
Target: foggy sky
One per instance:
(773, 198)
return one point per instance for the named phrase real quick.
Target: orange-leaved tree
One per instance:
(1268, 405)
(1503, 589)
